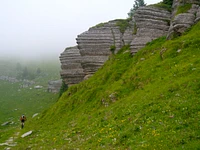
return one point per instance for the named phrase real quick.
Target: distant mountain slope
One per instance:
(147, 101)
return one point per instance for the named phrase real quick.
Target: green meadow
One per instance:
(147, 101)
(15, 101)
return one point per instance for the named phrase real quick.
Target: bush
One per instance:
(63, 88)
(168, 2)
(112, 48)
(123, 24)
(183, 9)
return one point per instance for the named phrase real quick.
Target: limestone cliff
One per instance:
(150, 22)
(94, 45)
(72, 71)
(92, 51)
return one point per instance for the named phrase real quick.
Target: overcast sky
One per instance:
(40, 27)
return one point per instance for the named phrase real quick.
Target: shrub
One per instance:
(63, 88)
(183, 8)
(123, 24)
(112, 48)
(98, 25)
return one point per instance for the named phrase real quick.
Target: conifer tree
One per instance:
(168, 2)
(138, 3)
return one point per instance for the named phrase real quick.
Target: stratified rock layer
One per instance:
(72, 71)
(93, 49)
(181, 22)
(94, 45)
(151, 23)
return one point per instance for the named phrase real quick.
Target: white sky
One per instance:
(41, 27)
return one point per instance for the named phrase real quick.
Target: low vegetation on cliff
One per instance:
(146, 101)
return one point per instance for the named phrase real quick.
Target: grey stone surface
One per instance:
(93, 46)
(151, 23)
(6, 123)
(72, 71)
(181, 22)
(27, 134)
(54, 86)
(197, 15)
(93, 49)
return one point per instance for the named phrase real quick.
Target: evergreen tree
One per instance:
(38, 71)
(63, 88)
(168, 2)
(25, 73)
(138, 3)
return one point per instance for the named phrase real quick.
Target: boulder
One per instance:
(35, 115)
(38, 87)
(6, 123)
(27, 134)
(54, 86)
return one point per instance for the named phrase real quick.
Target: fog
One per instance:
(44, 28)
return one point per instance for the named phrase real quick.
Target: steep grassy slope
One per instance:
(148, 101)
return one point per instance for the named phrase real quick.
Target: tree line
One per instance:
(26, 73)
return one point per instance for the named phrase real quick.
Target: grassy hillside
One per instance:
(148, 101)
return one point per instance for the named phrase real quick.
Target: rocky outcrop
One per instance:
(182, 21)
(151, 23)
(72, 71)
(129, 33)
(93, 49)
(54, 86)
(9, 79)
(197, 15)
(94, 46)
(26, 83)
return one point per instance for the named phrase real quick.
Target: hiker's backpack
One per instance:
(23, 118)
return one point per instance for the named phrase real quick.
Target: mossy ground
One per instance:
(147, 101)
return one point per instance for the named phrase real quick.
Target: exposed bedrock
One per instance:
(94, 46)
(151, 23)
(93, 49)
(182, 21)
(72, 71)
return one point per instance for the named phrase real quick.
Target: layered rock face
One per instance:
(72, 71)
(93, 49)
(94, 45)
(151, 23)
(181, 22)
(148, 23)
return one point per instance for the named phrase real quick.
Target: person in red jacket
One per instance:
(22, 119)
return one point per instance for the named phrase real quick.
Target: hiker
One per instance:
(22, 119)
